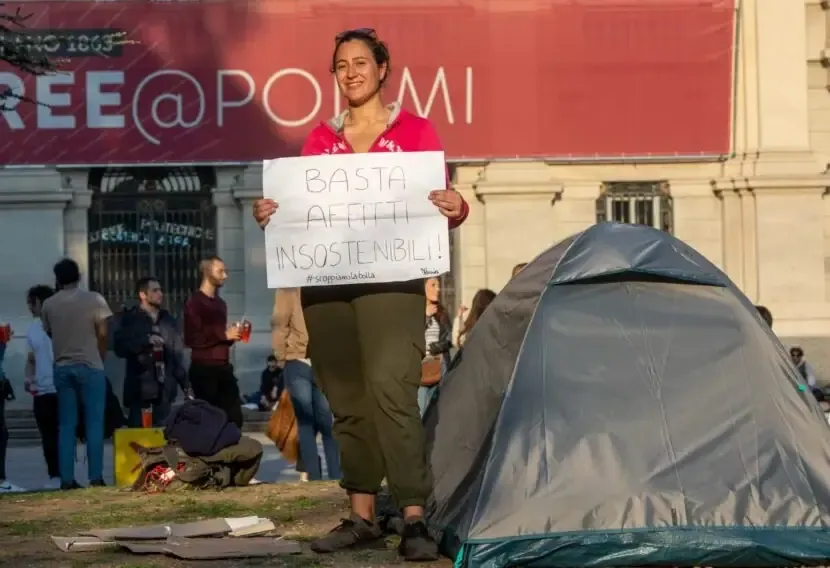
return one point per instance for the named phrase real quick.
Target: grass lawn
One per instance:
(300, 511)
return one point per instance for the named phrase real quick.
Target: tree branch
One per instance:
(21, 50)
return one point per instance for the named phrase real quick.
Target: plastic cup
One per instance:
(146, 417)
(245, 331)
(5, 333)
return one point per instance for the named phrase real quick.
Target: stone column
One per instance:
(256, 299)
(576, 208)
(32, 204)
(697, 217)
(519, 215)
(259, 299)
(732, 234)
(469, 258)
(790, 262)
(229, 245)
(749, 233)
(782, 75)
(771, 100)
(76, 219)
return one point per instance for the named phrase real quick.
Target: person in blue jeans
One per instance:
(290, 343)
(76, 320)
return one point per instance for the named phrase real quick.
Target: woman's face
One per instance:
(358, 76)
(433, 289)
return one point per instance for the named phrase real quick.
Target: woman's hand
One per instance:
(448, 202)
(263, 209)
(461, 311)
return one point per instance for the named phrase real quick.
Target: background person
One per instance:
(40, 383)
(209, 337)
(518, 268)
(437, 335)
(270, 384)
(76, 320)
(765, 314)
(804, 368)
(367, 340)
(290, 342)
(465, 320)
(149, 341)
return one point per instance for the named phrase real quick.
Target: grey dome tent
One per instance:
(621, 403)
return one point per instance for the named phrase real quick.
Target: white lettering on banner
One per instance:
(15, 85)
(348, 218)
(96, 99)
(221, 103)
(318, 97)
(185, 97)
(174, 97)
(50, 101)
(440, 83)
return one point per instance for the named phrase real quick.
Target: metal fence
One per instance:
(157, 222)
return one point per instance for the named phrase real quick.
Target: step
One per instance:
(13, 423)
(15, 415)
(25, 435)
(24, 421)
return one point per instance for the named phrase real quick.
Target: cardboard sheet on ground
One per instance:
(240, 526)
(355, 218)
(212, 539)
(82, 543)
(216, 548)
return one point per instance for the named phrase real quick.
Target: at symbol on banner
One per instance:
(177, 100)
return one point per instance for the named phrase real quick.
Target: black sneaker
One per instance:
(416, 543)
(70, 485)
(97, 483)
(352, 533)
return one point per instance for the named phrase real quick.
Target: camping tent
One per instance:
(621, 403)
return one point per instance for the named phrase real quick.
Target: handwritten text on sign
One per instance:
(352, 218)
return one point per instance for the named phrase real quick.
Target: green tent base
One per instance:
(659, 546)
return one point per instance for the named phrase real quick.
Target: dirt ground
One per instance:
(300, 511)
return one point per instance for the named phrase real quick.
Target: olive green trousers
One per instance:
(366, 348)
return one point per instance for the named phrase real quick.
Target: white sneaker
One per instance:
(254, 481)
(7, 487)
(303, 477)
(53, 483)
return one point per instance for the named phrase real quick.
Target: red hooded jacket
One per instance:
(406, 133)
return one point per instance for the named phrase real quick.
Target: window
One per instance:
(639, 203)
(149, 221)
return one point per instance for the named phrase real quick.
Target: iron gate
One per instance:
(150, 221)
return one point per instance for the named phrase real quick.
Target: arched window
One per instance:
(150, 221)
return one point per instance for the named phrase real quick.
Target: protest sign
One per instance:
(355, 218)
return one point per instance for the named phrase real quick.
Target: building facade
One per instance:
(762, 215)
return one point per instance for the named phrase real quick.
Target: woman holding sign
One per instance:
(367, 340)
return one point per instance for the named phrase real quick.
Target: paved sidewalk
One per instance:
(25, 466)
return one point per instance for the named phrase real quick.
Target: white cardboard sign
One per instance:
(355, 218)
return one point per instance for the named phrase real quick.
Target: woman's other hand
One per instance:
(448, 202)
(461, 311)
(263, 209)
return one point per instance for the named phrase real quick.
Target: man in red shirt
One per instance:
(209, 337)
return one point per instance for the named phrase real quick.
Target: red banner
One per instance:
(239, 81)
